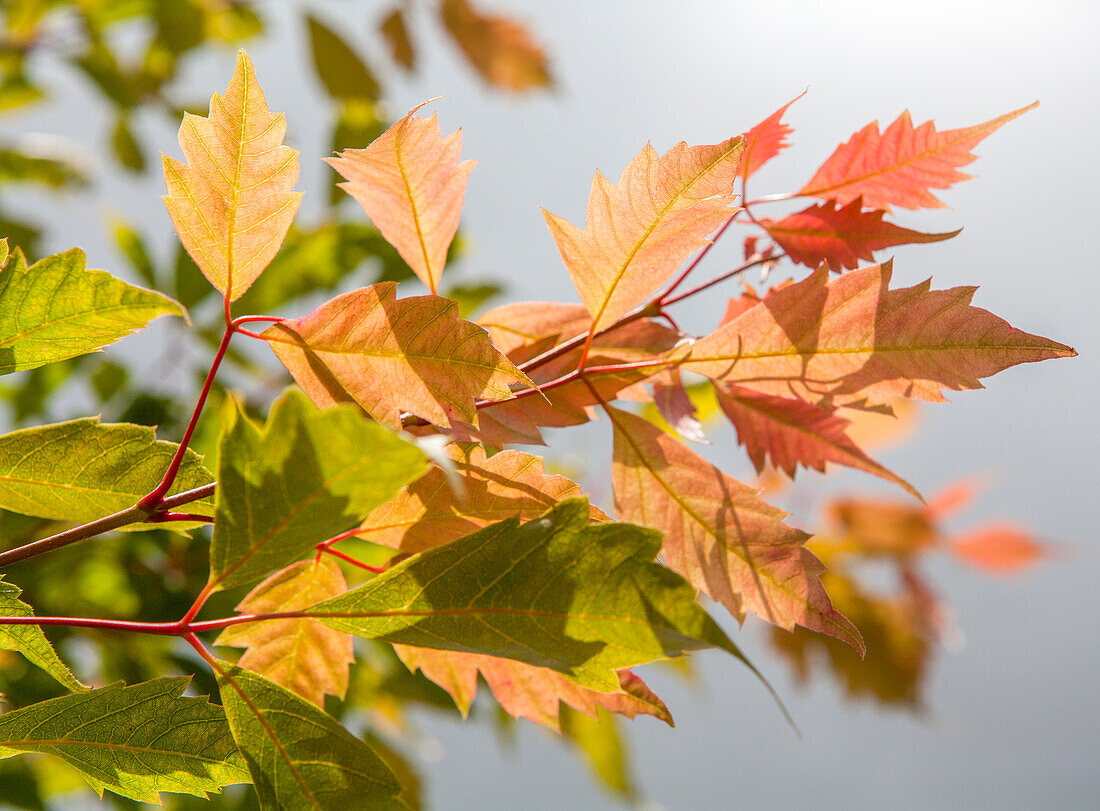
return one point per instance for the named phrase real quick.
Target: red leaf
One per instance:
(899, 166)
(718, 534)
(998, 548)
(840, 236)
(675, 406)
(526, 329)
(764, 141)
(789, 433)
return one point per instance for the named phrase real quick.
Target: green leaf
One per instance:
(57, 309)
(598, 739)
(339, 68)
(53, 172)
(136, 741)
(131, 244)
(554, 592)
(125, 145)
(29, 640)
(300, 757)
(83, 470)
(304, 477)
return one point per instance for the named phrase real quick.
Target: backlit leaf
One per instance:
(396, 34)
(501, 50)
(58, 309)
(840, 236)
(526, 691)
(766, 140)
(29, 640)
(525, 329)
(393, 355)
(677, 409)
(300, 757)
(232, 203)
(339, 68)
(135, 741)
(852, 338)
(83, 470)
(899, 167)
(302, 478)
(718, 534)
(302, 655)
(998, 548)
(429, 513)
(585, 600)
(599, 741)
(789, 432)
(411, 184)
(638, 232)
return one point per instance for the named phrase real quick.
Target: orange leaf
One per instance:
(412, 185)
(851, 339)
(428, 513)
(300, 654)
(394, 355)
(899, 166)
(884, 527)
(764, 141)
(526, 691)
(232, 202)
(638, 232)
(718, 534)
(998, 548)
(840, 236)
(501, 50)
(525, 329)
(396, 34)
(789, 433)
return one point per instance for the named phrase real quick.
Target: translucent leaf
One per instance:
(301, 655)
(412, 185)
(232, 202)
(58, 309)
(302, 478)
(766, 140)
(585, 600)
(136, 741)
(300, 757)
(501, 50)
(638, 232)
(83, 470)
(29, 640)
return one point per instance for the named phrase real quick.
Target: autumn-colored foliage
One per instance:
(378, 498)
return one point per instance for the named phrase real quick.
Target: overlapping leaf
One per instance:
(558, 592)
(58, 309)
(766, 140)
(899, 167)
(301, 655)
(83, 470)
(304, 477)
(501, 50)
(840, 236)
(429, 513)
(525, 329)
(393, 355)
(526, 691)
(852, 339)
(29, 640)
(411, 184)
(718, 534)
(789, 432)
(298, 756)
(135, 741)
(638, 232)
(232, 203)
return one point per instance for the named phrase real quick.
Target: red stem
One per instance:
(154, 499)
(343, 536)
(695, 263)
(349, 559)
(755, 259)
(160, 518)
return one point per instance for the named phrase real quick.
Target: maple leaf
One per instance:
(882, 527)
(840, 236)
(853, 339)
(790, 432)
(232, 202)
(527, 691)
(501, 50)
(899, 166)
(395, 32)
(718, 534)
(676, 408)
(639, 231)
(393, 355)
(525, 329)
(302, 655)
(764, 141)
(412, 185)
(429, 513)
(998, 548)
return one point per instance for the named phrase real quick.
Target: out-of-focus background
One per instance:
(1000, 709)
